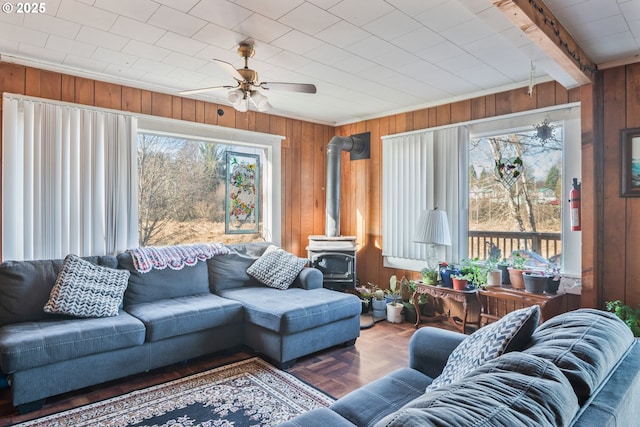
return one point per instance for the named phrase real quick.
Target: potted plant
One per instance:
(516, 270)
(378, 303)
(627, 314)
(429, 276)
(460, 281)
(535, 281)
(395, 307)
(365, 295)
(446, 271)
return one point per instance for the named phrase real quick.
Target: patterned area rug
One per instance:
(246, 393)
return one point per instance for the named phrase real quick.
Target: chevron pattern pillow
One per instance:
(276, 268)
(511, 333)
(83, 289)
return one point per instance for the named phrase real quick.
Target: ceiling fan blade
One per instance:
(204, 89)
(230, 69)
(294, 87)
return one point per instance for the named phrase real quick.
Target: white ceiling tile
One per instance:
(221, 12)
(392, 25)
(361, 12)
(70, 46)
(215, 52)
(180, 43)
(418, 40)
(309, 19)
(445, 16)
(45, 54)
(181, 5)
(178, 22)
(181, 60)
(22, 35)
(8, 46)
(270, 9)
(101, 38)
(607, 26)
(342, 34)
(468, 32)
(355, 64)
(396, 58)
(297, 42)
(327, 53)
(413, 7)
(84, 63)
(219, 36)
(284, 59)
(371, 47)
(125, 72)
(261, 28)
(140, 10)
(12, 18)
(631, 10)
(587, 11)
(114, 57)
(81, 13)
(324, 4)
(54, 25)
(440, 52)
(152, 66)
(137, 30)
(186, 77)
(145, 50)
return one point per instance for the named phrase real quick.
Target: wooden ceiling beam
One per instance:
(539, 24)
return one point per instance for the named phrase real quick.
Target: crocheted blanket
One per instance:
(175, 257)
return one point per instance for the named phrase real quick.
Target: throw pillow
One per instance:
(510, 333)
(276, 268)
(83, 289)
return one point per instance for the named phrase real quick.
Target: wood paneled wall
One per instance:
(617, 220)
(303, 157)
(361, 197)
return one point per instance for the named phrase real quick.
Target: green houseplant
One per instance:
(627, 314)
(516, 270)
(395, 307)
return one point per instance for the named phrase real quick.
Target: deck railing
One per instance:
(547, 245)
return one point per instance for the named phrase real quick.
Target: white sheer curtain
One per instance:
(422, 170)
(68, 180)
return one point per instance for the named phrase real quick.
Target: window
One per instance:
(182, 182)
(518, 187)
(181, 190)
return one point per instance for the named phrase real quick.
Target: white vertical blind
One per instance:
(422, 170)
(68, 180)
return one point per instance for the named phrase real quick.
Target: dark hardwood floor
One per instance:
(337, 371)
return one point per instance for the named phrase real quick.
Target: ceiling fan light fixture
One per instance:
(242, 104)
(235, 95)
(260, 101)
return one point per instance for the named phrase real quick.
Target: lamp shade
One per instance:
(433, 227)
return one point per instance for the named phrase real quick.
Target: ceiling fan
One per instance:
(247, 84)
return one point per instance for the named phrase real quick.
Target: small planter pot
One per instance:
(516, 279)
(504, 269)
(534, 283)
(552, 285)
(394, 313)
(366, 306)
(445, 274)
(379, 308)
(459, 284)
(494, 278)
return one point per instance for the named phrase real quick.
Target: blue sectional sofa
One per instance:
(167, 316)
(580, 369)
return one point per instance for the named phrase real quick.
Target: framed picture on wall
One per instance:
(630, 162)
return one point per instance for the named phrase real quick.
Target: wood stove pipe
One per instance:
(359, 147)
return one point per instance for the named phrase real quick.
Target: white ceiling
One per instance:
(367, 58)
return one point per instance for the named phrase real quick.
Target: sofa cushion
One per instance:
(276, 268)
(25, 287)
(515, 389)
(370, 403)
(29, 344)
(585, 344)
(178, 316)
(84, 289)
(510, 333)
(163, 284)
(230, 271)
(295, 309)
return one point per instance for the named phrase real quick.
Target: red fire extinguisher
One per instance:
(574, 205)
